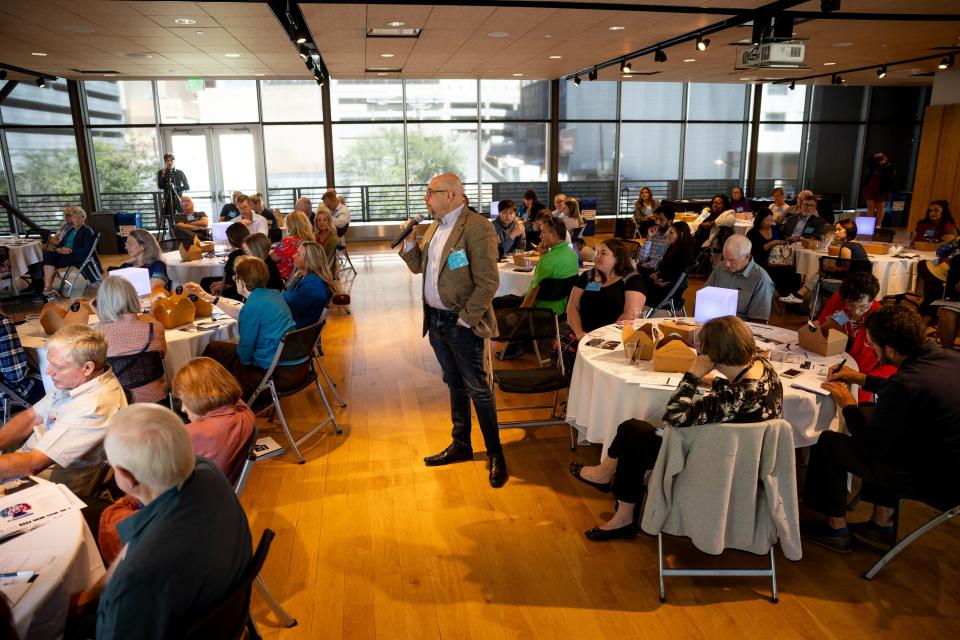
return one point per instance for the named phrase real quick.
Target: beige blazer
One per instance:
(469, 290)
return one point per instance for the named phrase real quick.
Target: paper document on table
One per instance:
(31, 507)
(654, 379)
(812, 388)
(28, 564)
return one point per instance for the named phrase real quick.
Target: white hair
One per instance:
(738, 244)
(115, 298)
(79, 343)
(151, 443)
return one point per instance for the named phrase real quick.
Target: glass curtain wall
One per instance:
(780, 135)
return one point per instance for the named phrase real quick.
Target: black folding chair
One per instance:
(341, 254)
(946, 512)
(230, 618)
(90, 269)
(10, 398)
(634, 249)
(138, 369)
(674, 298)
(296, 349)
(530, 324)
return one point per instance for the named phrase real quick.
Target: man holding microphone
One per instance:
(458, 259)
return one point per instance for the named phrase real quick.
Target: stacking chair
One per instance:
(634, 249)
(556, 289)
(138, 369)
(946, 512)
(530, 324)
(238, 476)
(676, 503)
(318, 358)
(674, 297)
(90, 269)
(296, 347)
(10, 398)
(833, 270)
(341, 254)
(229, 618)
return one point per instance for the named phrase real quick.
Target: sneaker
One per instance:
(50, 294)
(871, 534)
(791, 299)
(819, 533)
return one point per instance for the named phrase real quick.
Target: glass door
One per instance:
(217, 161)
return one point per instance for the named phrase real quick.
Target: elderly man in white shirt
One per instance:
(255, 222)
(66, 427)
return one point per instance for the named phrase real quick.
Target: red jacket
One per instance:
(860, 351)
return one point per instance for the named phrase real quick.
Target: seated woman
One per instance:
(937, 225)
(847, 310)
(118, 308)
(258, 246)
(298, 232)
(144, 252)
(845, 235)
(679, 256)
(738, 201)
(708, 217)
(262, 321)
(763, 237)
(326, 232)
(311, 286)
(779, 206)
(224, 285)
(511, 235)
(70, 251)
(220, 425)
(645, 206)
(753, 394)
(256, 201)
(572, 218)
(15, 372)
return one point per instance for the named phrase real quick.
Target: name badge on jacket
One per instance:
(593, 286)
(457, 259)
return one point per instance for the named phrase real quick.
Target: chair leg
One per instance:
(285, 618)
(283, 423)
(663, 592)
(330, 383)
(573, 438)
(346, 254)
(773, 578)
(906, 542)
(326, 403)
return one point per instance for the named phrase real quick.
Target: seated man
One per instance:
(190, 520)
(230, 210)
(66, 427)
(739, 271)
(340, 212)
(558, 262)
(908, 444)
(190, 224)
(806, 223)
(255, 222)
(656, 244)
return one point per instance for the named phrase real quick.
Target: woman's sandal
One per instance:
(575, 468)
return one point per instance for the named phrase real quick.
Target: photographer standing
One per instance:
(170, 179)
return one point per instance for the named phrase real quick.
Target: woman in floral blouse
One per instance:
(298, 231)
(749, 391)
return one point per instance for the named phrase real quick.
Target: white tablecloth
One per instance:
(183, 344)
(896, 275)
(604, 392)
(742, 226)
(23, 253)
(42, 611)
(517, 282)
(192, 270)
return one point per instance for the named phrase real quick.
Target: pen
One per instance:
(17, 574)
(839, 366)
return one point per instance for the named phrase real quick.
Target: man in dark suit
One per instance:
(806, 223)
(458, 259)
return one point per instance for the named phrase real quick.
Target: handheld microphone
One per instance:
(405, 231)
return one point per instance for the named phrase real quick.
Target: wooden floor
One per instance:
(372, 544)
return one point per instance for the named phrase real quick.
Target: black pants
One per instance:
(635, 448)
(933, 289)
(884, 480)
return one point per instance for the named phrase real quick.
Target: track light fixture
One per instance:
(836, 79)
(592, 75)
(304, 51)
(41, 82)
(625, 67)
(309, 63)
(702, 43)
(577, 80)
(947, 62)
(660, 56)
(882, 71)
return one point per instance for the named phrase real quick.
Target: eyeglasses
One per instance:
(430, 192)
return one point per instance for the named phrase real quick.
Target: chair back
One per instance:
(240, 466)
(553, 289)
(525, 324)
(227, 619)
(633, 247)
(297, 345)
(342, 231)
(137, 369)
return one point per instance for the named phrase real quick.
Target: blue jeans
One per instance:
(460, 353)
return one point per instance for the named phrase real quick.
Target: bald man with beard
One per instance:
(458, 259)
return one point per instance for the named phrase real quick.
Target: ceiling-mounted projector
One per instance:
(772, 55)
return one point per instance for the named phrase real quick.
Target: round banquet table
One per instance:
(181, 271)
(742, 226)
(74, 564)
(183, 343)
(606, 389)
(895, 273)
(23, 253)
(516, 283)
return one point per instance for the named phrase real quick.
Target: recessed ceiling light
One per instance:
(626, 75)
(231, 55)
(185, 21)
(382, 73)
(550, 36)
(396, 23)
(498, 34)
(517, 75)
(689, 59)
(172, 70)
(259, 74)
(616, 28)
(38, 53)
(556, 57)
(744, 78)
(843, 44)
(139, 55)
(109, 75)
(386, 55)
(201, 33)
(829, 64)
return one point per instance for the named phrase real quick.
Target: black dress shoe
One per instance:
(498, 471)
(453, 453)
(576, 467)
(628, 532)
